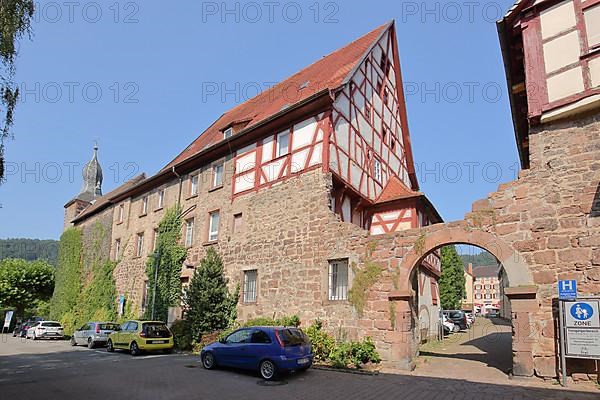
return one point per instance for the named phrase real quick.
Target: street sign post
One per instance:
(579, 325)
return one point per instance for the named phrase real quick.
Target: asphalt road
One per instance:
(54, 370)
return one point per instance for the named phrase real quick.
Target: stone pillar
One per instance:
(523, 303)
(402, 338)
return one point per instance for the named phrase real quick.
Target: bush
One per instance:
(292, 320)
(182, 334)
(354, 353)
(322, 342)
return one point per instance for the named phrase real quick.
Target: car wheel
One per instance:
(73, 342)
(456, 328)
(91, 343)
(267, 370)
(134, 349)
(208, 361)
(109, 346)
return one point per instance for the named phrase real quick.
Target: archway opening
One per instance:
(463, 316)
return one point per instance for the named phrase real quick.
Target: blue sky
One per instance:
(134, 75)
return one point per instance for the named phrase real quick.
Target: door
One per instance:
(258, 348)
(118, 337)
(234, 352)
(78, 334)
(130, 334)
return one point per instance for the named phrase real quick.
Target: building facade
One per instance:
(292, 188)
(486, 288)
(468, 302)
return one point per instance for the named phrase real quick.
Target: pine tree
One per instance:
(452, 281)
(209, 305)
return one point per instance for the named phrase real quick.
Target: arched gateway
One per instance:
(403, 253)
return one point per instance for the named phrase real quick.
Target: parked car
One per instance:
(45, 330)
(139, 336)
(269, 350)
(470, 317)
(458, 317)
(449, 325)
(21, 331)
(93, 334)
(493, 313)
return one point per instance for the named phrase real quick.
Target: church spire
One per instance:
(92, 176)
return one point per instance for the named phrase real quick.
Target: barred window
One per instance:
(250, 286)
(338, 280)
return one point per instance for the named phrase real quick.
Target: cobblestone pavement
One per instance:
(56, 371)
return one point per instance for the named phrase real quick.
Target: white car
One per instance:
(45, 330)
(452, 327)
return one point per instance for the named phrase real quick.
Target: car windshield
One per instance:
(156, 330)
(292, 337)
(109, 327)
(51, 324)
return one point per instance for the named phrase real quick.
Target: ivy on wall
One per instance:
(169, 257)
(85, 289)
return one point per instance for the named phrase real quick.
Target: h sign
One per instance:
(567, 290)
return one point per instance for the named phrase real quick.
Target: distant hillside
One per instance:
(29, 249)
(483, 258)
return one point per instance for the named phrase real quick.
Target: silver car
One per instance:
(93, 334)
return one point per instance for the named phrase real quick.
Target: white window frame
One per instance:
(377, 175)
(117, 248)
(194, 185)
(218, 170)
(161, 199)
(213, 226)
(189, 232)
(144, 205)
(139, 245)
(227, 133)
(250, 286)
(279, 151)
(121, 213)
(155, 239)
(338, 280)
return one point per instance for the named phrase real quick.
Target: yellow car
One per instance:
(138, 336)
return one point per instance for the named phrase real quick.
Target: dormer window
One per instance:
(227, 133)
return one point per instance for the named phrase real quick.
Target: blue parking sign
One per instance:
(567, 290)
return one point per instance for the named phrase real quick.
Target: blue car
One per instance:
(269, 350)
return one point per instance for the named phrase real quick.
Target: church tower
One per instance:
(90, 190)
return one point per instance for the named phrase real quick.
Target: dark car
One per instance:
(21, 328)
(457, 317)
(269, 350)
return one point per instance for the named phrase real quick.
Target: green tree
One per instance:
(452, 281)
(209, 305)
(171, 255)
(29, 249)
(15, 21)
(23, 284)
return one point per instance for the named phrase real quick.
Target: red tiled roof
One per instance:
(327, 73)
(104, 201)
(396, 190)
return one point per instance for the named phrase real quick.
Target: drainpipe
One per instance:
(180, 184)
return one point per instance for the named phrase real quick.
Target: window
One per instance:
(121, 213)
(338, 280)
(189, 232)
(487, 286)
(241, 336)
(592, 25)
(161, 199)
(377, 169)
(260, 337)
(227, 133)
(250, 286)
(154, 239)
(477, 287)
(213, 226)
(144, 210)
(217, 175)
(139, 245)
(488, 296)
(194, 185)
(478, 296)
(237, 223)
(117, 248)
(283, 144)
